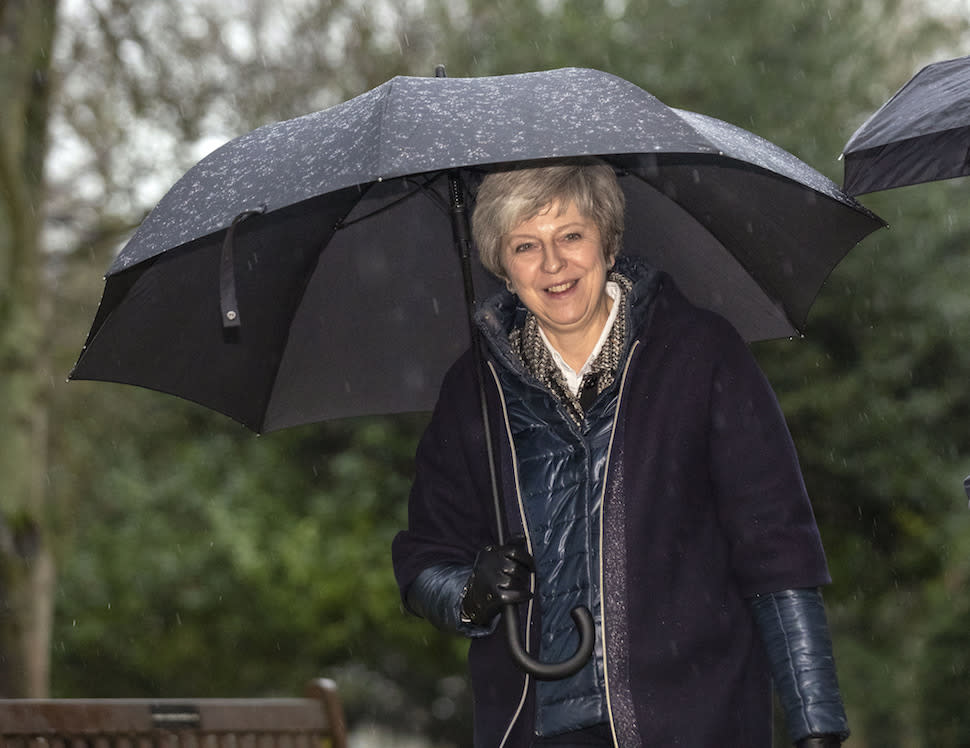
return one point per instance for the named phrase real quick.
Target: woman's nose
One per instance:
(552, 260)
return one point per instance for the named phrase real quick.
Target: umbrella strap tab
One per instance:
(228, 303)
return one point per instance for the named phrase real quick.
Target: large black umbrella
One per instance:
(308, 270)
(921, 134)
(340, 268)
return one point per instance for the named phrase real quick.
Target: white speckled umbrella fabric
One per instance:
(348, 282)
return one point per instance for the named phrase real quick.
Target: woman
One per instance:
(647, 473)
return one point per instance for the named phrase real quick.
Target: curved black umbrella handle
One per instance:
(551, 671)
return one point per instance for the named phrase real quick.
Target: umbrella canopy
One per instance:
(307, 270)
(921, 134)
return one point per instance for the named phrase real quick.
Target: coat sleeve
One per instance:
(761, 498)
(448, 509)
(795, 633)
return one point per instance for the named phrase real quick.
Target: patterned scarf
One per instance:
(528, 345)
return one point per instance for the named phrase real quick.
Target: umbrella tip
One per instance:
(439, 71)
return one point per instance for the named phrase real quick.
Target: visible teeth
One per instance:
(561, 287)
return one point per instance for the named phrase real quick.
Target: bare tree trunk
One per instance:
(26, 561)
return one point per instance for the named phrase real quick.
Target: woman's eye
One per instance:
(573, 236)
(524, 247)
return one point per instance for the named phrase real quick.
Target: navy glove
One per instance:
(819, 741)
(501, 575)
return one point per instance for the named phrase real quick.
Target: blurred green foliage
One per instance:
(216, 563)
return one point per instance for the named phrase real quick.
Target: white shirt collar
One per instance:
(574, 378)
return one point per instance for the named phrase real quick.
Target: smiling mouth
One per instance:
(562, 287)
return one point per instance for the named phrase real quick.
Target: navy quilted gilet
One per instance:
(562, 474)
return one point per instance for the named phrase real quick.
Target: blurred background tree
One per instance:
(26, 560)
(196, 559)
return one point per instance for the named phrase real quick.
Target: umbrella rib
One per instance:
(774, 296)
(435, 198)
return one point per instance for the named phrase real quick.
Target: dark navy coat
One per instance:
(704, 507)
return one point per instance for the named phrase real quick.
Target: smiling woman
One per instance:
(647, 475)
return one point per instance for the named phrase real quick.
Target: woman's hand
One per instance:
(501, 575)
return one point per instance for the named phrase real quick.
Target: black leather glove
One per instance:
(501, 575)
(819, 741)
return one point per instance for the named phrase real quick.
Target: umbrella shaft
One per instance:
(462, 237)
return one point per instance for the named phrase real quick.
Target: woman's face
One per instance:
(554, 262)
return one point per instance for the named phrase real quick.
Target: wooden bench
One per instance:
(315, 721)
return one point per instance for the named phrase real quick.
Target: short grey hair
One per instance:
(510, 196)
